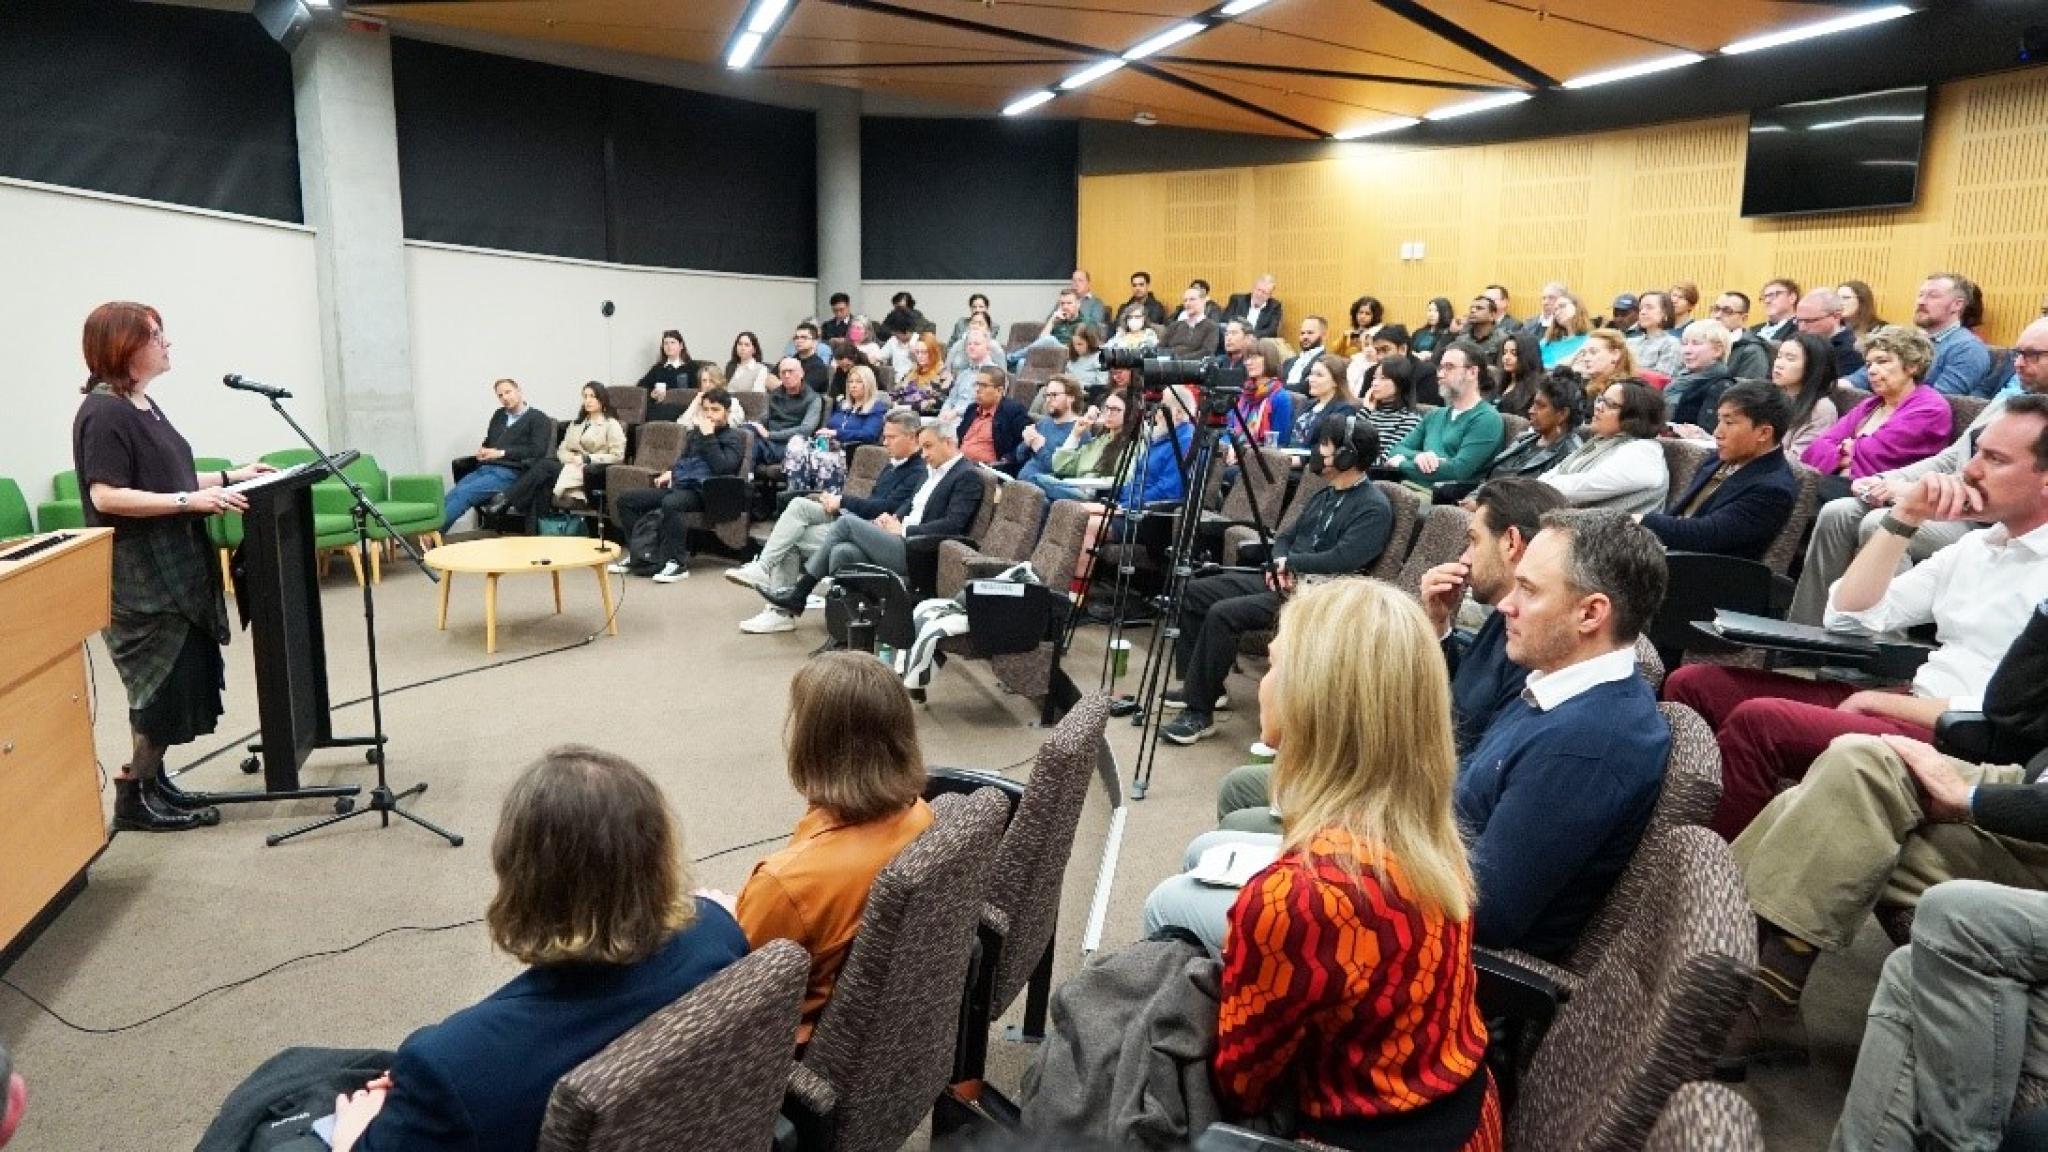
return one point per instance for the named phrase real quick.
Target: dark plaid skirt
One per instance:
(189, 703)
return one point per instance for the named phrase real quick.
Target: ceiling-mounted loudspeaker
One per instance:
(285, 20)
(1144, 119)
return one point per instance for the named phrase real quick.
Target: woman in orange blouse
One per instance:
(1347, 963)
(853, 754)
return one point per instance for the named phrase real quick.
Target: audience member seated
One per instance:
(811, 357)
(1565, 330)
(1804, 370)
(1294, 370)
(1042, 440)
(1389, 402)
(1603, 359)
(1977, 592)
(596, 438)
(1958, 360)
(819, 464)
(1859, 308)
(1741, 497)
(956, 351)
(1134, 329)
(1819, 314)
(673, 370)
(1748, 357)
(981, 355)
(1652, 345)
(1903, 421)
(1058, 330)
(1348, 993)
(1880, 820)
(1143, 299)
(1685, 301)
(1515, 380)
(944, 505)
(517, 435)
(1367, 315)
(1453, 442)
(1258, 308)
(806, 520)
(1192, 335)
(840, 321)
(1160, 475)
(1438, 328)
(977, 306)
(1094, 445)
(1485, 331)
(594, 895)
(711, 447)
(1506, 515)
(1264, 411)
(1328, 395)
(1552, 435)
(1844, 524)
(865, 804)
(744, 371)
(1956, 1022)
(1781, 300)
(1341, 530)
(992, 428)
(1556, 793)
(924, 388)
(794, 413)
(1621, 465)
(13, 1098)
(902, 332)
(1084, 362)
(1693, 398)
(709, 377)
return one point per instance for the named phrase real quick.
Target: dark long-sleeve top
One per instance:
(1553, 803)
(894, 489)
(954, 501)
(703, 457)
(481, 1078)
(2016, 699)
(1483, 680)
(1742, 517)
(793, 416)
(1340, 531)
(1695, 397)
(529, 438)
(667, 375)
(1528, 455)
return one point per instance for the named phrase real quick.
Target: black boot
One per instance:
(794, 598)
(168, 796)
(133, 811)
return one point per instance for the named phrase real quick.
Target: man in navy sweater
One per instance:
(1506, 515)
(1555, 795)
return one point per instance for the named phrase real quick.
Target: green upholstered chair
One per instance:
(289, 457)
(411, 503)
(224, 532)
(64, 509)
(14, 516)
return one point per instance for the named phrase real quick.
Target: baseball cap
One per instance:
(1626, 302)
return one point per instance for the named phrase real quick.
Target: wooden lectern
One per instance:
(55, 590)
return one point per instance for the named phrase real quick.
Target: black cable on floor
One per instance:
(53, 1014)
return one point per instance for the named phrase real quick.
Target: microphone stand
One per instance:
(383, 800)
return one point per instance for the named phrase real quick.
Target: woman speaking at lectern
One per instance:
(169, 619)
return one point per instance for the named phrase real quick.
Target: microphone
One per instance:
(244, 384)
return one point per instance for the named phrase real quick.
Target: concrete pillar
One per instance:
(838, 197)
(348, 173)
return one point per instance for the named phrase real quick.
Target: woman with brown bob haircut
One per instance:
(853, 754)
(594, 895)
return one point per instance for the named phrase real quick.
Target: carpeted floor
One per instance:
(681, 692)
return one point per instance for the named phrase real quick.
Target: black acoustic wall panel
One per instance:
(945, 199)
(149, 100)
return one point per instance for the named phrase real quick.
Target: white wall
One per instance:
(479, 315)
(237, 295)
(944, 301)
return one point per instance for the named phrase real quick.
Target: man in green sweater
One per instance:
(1454, 442)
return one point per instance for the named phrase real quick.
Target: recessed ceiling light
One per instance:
(1823, 28)
(1631, 71)
(1020, 106)
(1483, 104)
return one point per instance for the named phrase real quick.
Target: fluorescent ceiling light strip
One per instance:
(1376, 129)
(1483, 104)
(1823, 28)
(1240, 7)
(1167, 39)
(1025, 104)
(1091, 74)
(1631, 71)
(766, 12)
(1831, 125)
(743, 50)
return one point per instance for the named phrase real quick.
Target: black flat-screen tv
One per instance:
(1842, 154)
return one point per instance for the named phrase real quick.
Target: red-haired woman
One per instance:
(169, 620)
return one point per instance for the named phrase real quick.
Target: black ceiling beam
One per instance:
(1335, 74)
(1479, 46)
(1143, 67)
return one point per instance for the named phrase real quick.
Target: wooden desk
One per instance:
(516, 555)
(51, 824)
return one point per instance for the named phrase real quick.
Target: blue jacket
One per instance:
(1160, 469)
(1552, 805)
(894, 489)
(854, 428)
(479, 1080)
(1743, 515)
(1279, 417)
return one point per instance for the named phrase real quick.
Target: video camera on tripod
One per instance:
(1220, 381)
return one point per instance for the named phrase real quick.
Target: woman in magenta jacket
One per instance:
(1902, 421)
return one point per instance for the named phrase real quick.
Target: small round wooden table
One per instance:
(517, 555)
